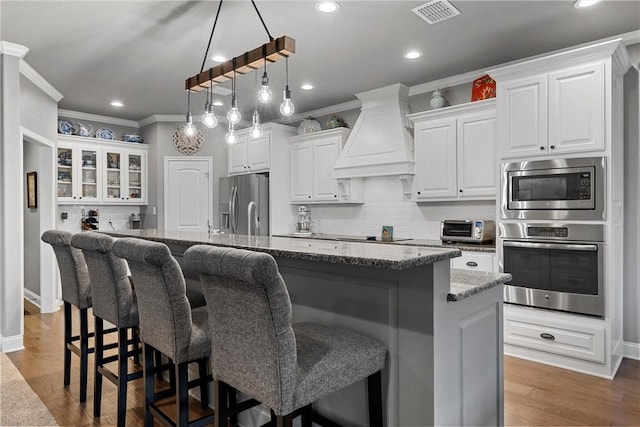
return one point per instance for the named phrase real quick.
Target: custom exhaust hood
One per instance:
(381, 143)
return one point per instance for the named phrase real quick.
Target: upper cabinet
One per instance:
(313, 157)
(249, 155)
(101, 173)
(559, 103)
(455, 152)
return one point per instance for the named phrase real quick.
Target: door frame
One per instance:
(167, 161)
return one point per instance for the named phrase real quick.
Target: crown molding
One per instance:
(98, 118)
(34, 77)
(13, 49)
(630, 38)
(446, 82)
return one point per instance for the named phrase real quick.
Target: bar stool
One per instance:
(167, 324)
(115, 302)
(76, 291)
(259, 352)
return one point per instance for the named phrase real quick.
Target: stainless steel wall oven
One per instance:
(557, 189)
(554, 266)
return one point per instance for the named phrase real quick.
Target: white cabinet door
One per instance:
(237, 156)
(301, 171)
(259, 154)
(477, 172)
(522, 108)
(79, 176)
(435, 153)
(576, 109)
(325, 155)
(136, 177)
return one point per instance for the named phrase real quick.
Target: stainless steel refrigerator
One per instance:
(244, 202)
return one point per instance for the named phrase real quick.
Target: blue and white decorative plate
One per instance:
(131, 137)
(105, 133)
(65, 127)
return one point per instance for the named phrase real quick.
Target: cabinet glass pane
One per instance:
(65, 175)
(113, 175)
(135, 176)
(89, 174)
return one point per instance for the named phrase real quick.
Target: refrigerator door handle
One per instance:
(236, 214)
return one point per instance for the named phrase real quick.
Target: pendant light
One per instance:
(256, 130)
(234, 116)
(188, 128)
(208, 118)
(287, 108)
(264, 94)
(231, 138)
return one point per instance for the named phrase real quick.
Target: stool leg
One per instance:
(84, 354)
(284, 420)
(233, 401)
(220, 391)
(67, 341)
(374, 390)
(123, 335)
(149, 383)
(204, 388)
(135, 334)
(98, 356)
(305, 420)
(182, 395)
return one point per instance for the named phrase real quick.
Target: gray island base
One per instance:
(442, 328)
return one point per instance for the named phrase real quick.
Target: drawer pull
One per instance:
(472, 264)
(547, 336)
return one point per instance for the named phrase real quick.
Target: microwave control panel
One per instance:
(562, 232)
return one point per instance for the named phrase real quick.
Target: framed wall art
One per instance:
(32, 190)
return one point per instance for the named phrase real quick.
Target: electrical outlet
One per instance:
(64, 215)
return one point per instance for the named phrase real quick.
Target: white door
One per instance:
(436, 157)
(188, 193)
(325, 155)
(476, 155)
(301, 172)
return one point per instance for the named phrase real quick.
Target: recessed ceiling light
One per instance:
(117, 104)
(327, 6)
(413, 54)
(218, 58)
(579, 4)
(218, 103)
(306, 86)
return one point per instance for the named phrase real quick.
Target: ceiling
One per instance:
(141, 52)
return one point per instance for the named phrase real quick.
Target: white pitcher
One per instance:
(83, 130)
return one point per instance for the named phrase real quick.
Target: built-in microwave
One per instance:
(568, 189)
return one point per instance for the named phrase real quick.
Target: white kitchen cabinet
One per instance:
(455, 152)
(313, 157)
(91, 171)
(474, 261)
(249, 155)
(552, 113)
(79, 177)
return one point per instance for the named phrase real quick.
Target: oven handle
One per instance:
(568, 247)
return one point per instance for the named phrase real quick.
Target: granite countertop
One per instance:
(465, 283)
(394, 257)
(436, 243)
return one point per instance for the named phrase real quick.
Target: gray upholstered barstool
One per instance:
(76, 292)
(260, 353)
(167, 324)
(113, 301)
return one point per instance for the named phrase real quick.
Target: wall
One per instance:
(631, 294)
(118, 215)
(159, 137)
(38, 112)
(31, 225)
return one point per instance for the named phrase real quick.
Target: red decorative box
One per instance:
(483, 88)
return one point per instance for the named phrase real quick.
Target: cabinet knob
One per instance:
(552, 147)
(541, 148)
(309, 196)
(472, 264)
(74, 197)
(335, 196)
(460, 190)
(419, 192)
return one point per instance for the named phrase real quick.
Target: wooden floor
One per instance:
(535, 394)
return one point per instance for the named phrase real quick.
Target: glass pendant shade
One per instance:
(264, 94)
(287, 108)
(231, 137)
(234, 115)
(189, 128)
(208, 118)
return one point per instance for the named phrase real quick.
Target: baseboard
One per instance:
(32, 297)
(10, 344)
(631, 350)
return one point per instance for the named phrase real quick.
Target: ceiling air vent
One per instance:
(436, 11)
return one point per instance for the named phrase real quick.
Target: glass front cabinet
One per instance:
(90, 172)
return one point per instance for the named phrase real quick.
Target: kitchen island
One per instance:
(442, 328)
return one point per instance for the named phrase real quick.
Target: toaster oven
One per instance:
(467, 230)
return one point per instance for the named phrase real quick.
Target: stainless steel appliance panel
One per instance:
(557, 190)
(554, 266)
(237, 193)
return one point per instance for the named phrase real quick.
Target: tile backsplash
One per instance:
(120, 217)
(384, 205)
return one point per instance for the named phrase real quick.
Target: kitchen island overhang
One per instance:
(443, 330)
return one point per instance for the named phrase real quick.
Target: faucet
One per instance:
(252, 205)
